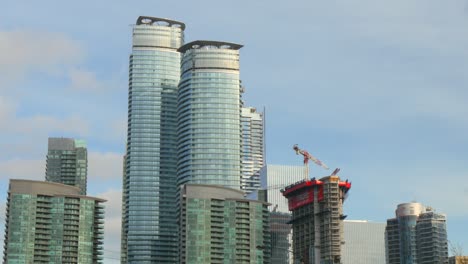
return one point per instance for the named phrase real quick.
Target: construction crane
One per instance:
(307, 157)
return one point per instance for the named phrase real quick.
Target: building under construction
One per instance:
(317, 219)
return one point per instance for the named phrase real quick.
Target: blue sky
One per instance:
(377, 88)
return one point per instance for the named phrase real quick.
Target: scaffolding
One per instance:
(317, 219)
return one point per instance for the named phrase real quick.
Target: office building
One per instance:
(317, 219)
(67, 162)
(208, 113)
(364, 242)
(149, 188)
(417, 235)
(252, 123)
(218, 225)
(52, 223)
(281, 238)
(273, 178)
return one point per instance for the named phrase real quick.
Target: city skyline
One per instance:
(374, 90)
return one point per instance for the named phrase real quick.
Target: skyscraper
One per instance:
(149, 187)
(52, 223)
(219, 226)
(67, 162)
(252, 148)
(417, 235)
(273, 178)
(431, 238)
(364, 242)
(208, 113)
(317, 219)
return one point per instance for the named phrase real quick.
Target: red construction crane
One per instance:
(307, 157)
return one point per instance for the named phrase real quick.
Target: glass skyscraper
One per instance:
(67, 162)
(417, 235)
(52, 223)
(273, 178)
(149, 187)
(208, 115)
(252, 148)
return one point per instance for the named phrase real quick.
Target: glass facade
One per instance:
(431, 238)
(273, 178)
(219, 226)
(67, 162)
(416, 236)
(208, 115)
(281, 245)
(252, 149)
(52, 223)
(149, 212)
(364, 242)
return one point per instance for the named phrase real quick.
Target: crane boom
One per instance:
(307, 156)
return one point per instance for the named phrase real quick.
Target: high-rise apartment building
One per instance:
(218, 225)
(417, 235)
(364, 242)
(431, 238)
(252, 123)
(208, 115)
(317, 219)
(67, 162)
(52, 223)
(149, 188)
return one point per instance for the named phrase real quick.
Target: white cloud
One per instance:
(112, 225)
(85, 80)
(22, 169)
(23, 50)
(7, 109)
(70, 125)
(37, 123)
(107, 165)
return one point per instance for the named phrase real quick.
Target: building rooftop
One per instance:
(198, 44)
(147, 20)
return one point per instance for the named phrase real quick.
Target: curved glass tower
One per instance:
(208, 113)
(149, 229)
